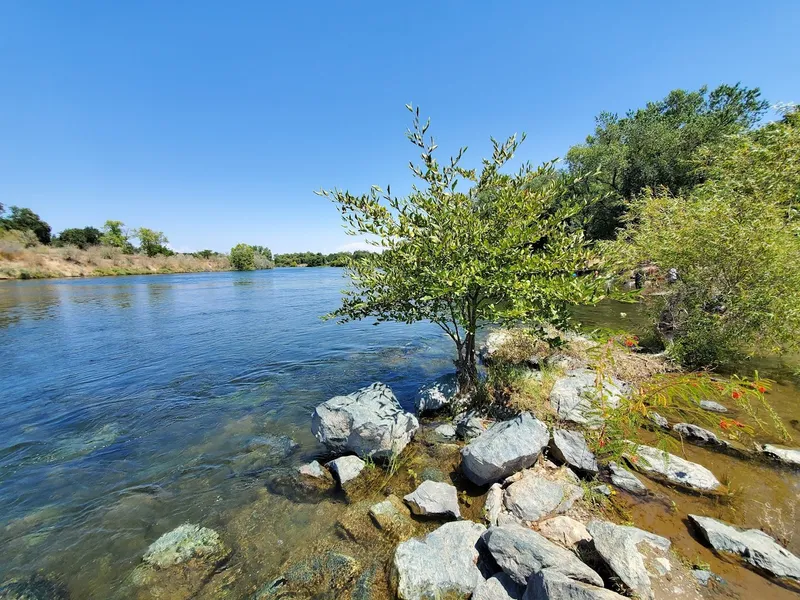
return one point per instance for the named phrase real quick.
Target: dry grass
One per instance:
(19, 259)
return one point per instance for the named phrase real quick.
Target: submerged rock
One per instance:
(313, 469)
(498, 587)
(346, 468)
(565, 531)
(753, 545)
(698, 435)
(34, 587)
(392, 517)
(712, 406)
(323, 573)
(787, 456)
(442, 564)
(534, 496)
(549, 584)
(569, 447)
(577, 396)
(433, 498)
(674, 469)
(619, 547)
(625, 480)
(369, 422)
(437, 395)
(504, 448)
(521, 552)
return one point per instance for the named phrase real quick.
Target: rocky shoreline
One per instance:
(521, 508)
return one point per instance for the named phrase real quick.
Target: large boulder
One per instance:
(505, 448)
(753, 545)
(442, 564)
(549, 584)
(619, 548)
(578, 396)
(498, 587)
(369, 422)
(536, 496)
(437, 395)
(434, 499)
(570, 448)
(674, 469)
(521, 552)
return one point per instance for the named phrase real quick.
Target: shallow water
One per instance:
(131, 405)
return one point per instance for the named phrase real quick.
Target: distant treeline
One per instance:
(317, 259)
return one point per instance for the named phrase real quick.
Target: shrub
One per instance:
(243, 257)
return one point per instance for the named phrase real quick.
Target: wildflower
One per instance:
(634, 459)
(761, 389)
(736, 394)
(738, 424)
(724, 424)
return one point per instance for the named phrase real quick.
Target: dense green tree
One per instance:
(734, 242)
(243, 257)
(116, 235)
(82, 238)
(263, 251)
(151, 242)
(500, 251)
(24, 219)
(656, 147)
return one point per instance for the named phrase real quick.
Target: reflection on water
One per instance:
(131, 405)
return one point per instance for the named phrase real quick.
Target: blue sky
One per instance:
(215, 122)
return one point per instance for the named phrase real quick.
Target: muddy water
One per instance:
(132, 405)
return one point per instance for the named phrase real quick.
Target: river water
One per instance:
(130, 405)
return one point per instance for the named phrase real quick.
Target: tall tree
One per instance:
(115, 234)
(501, 251)
(656, 147)
(24, 219)
(152, 242)
(82, 238)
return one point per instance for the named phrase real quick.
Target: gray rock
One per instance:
(494, 504)
(569, 447)
(576, 396)
(504, 448)
(698, 435)
(346, 468)
(658, 420)
(433, 498)
(494, 342)
(435, 396)
(498, 587)
(704, 577)
(446, 431)
(369, 422)
(625, 480)
(712, 406)
(470, 425)
(443, 562)
(393, 517)
(184, 543)
(753, 545)
(674, 469)
(549, 584)
(313, 469)
(788, 456)
(37, 587)
(565, 531)
(618, 546)
(603, 489)
(313, 577)
(521, 552)
(534, 497)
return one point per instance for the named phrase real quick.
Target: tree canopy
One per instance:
(243, 257)
(82, 238)
(152, 242)
(501, 250)
(24, 219)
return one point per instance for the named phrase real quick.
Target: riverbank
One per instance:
(44, 262)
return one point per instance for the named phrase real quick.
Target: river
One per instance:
(130, 405)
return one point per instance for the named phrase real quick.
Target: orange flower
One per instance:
(724, 424)
(634, 459)
(736, 395)
(739, 424)
(762, 389)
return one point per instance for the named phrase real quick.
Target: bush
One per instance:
(243, 257)
(24, 219)
(82, 238)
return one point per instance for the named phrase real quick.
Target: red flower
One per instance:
(724, 424)
(630, 343)
(736, 395)
(762, 389)
(738, 424)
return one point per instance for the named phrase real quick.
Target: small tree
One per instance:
(243, 257)
(24, 219)
(82, 238)
(115, 234)
(152, 242)
(501, 251)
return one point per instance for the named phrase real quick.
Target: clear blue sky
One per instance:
(215, 121)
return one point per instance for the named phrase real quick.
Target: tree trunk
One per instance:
(466, 365)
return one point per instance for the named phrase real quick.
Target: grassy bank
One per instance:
(40, 262)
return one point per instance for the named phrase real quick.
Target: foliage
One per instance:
(205, 254)
(24, 219)
(264, 252)
(501, 251)
(317, 259)
(82, 238)
(656, 147)
(115, 235)
(243, 257)
(735, 244)
(152, 243)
